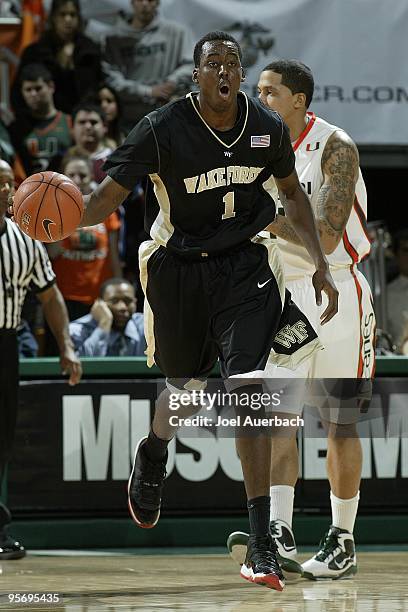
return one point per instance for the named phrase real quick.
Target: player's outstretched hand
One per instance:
(70, 364)
(322, 281)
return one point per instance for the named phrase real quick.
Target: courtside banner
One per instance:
(355, 49)
(74, 449)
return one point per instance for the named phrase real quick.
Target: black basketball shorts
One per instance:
(232, 307)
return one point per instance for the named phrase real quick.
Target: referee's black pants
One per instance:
(8, 402)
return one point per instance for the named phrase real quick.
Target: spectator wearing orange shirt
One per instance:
(87, 258)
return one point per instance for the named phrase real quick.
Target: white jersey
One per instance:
(355, 244)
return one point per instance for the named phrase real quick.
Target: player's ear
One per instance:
(243, 75)
(300, 100)
(195, 75)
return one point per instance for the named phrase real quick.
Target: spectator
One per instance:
(23, 262)
(72, 58)
(111, 106)
(42, 134)
(113, 328)
(89, 133)
(84, 260)
(147, 60)
(397, 293)
(79, 169)
(7, 152)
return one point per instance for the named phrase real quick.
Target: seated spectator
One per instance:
(84, 260)
(72, 58)
(147, 60)
(110, 104)
(89, 134)
(397, 292)
(42, 134)
(113, 328)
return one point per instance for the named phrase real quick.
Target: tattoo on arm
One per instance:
(283, 228)
(336, 196)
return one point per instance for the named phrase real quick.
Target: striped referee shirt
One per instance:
(24, 264)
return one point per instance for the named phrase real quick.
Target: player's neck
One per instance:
(296, 126)
(222, 121)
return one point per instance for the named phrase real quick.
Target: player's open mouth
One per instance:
(224, 90)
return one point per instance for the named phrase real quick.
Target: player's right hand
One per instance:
(322, 281)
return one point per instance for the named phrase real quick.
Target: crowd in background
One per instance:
(74, 100)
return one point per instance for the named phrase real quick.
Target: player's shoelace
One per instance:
(148, 486)
(327, 547)
(263, 555)
(273, 529)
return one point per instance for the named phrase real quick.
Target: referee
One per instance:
(24, 264)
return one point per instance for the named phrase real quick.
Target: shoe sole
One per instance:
(132, 514)
(271, 581)
(349, 573)
(237, 548)
(12, 556)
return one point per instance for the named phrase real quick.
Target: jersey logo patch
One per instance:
(228, 153)
(316, 146)
(260, 141)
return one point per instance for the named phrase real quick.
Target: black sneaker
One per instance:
(261, 565)
(336, 558)
(145, 488)
(286, 548)
(9, 547)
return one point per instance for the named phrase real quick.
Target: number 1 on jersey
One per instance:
(228, 200)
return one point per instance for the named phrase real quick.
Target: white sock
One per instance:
(282, 497)
(344, 511)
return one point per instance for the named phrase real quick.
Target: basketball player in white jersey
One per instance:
(327, 163)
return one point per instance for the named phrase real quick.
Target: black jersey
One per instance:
(206, 191)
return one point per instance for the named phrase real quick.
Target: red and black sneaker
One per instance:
(145, 488)
(261, 564)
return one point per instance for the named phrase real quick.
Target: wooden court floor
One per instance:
(195, 583)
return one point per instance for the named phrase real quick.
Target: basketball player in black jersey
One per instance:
(213, 291)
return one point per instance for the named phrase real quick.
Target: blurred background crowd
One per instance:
(72, 89)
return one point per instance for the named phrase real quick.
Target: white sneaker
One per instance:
(286, 548)
(335, 559)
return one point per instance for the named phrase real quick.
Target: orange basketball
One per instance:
(48, 206)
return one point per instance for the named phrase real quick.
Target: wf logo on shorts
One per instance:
(292, 334)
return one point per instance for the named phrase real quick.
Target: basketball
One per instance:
(48, 206)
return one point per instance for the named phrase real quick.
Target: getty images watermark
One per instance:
(242, 404)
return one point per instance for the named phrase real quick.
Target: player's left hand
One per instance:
(322, 281)
(70, 364)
